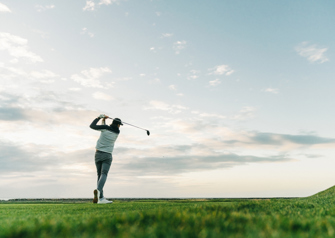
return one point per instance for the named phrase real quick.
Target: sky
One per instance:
(238, 97)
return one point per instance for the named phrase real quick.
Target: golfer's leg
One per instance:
(99, 166)
(98, 162)
(104, 171)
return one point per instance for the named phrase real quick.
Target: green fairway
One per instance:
(303, 217)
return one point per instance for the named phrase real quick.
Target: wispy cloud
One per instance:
(186, 163)
(214, 82)
(313, 53)
(272, 90)
(194, 74)
(167, 35)
(173, 87)
(41, 8)
(108, 2)
(244, 114)
(32, 107)
(280, 139)
(43, 74)
(85, 31)
(209, 115)
(9, 73)
(4, 8)
(159, 105)
(17, 47)
(221, 70)
(20, 75)
(179, 46)
(102, 96)
(90, 77)
(91, 5)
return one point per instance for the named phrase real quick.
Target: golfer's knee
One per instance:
(105, 172)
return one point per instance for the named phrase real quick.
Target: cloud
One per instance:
(179, 45)
(211, 115)
(85, 31)
(313, 53)
(167, 35)
(218, 137)
(173, 87)
(27, 104)
(271, 90)
(158, 105)
(14, 158)
(102, 96)
(108, 2)
(221, 70)
(4, 8)
(44, 74)
(215, 82)
(90, 77)
(17, 47)
(75, 89)
(31, 158)
(280, 139)
(41, 8)
(11, 73)
(90, 5)
(12, 114)
(244, 114)
(14, 61)
(169, 160)
(155, 81)
(167, 165)
(194, 74)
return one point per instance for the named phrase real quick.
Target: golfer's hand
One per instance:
(105, 117)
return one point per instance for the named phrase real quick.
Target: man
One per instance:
(103, 154)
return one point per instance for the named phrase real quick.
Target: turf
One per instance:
(302, 217)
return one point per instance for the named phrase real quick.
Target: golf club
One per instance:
(148, 132)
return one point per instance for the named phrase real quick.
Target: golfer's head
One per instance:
(117, 122)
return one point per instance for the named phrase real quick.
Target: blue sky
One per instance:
(238, 96)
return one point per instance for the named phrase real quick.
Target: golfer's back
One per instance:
(106, 141)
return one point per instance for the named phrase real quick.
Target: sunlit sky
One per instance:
(238, 97)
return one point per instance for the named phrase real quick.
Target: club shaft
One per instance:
(130, 124)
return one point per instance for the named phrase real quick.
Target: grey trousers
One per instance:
(103, 162)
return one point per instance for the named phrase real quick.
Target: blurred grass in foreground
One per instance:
(301, 217)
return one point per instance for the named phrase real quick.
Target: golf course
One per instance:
(312, 216)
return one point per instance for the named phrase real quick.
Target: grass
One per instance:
(302, 217)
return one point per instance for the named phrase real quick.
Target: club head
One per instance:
(148, 133)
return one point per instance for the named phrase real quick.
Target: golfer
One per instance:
(103, 154)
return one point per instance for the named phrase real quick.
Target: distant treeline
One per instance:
(133, 199)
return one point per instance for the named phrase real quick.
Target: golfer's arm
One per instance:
(94, 125)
